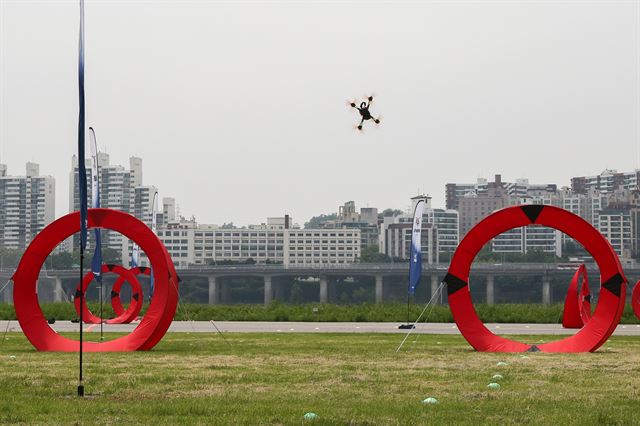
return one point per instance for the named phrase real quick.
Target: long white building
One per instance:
(27, 205)
(277, 241)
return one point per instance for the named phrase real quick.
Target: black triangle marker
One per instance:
(532, 211)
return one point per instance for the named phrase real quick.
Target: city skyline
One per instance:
(258, 117)
(407, 208)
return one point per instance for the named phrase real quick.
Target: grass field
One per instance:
(345, 378)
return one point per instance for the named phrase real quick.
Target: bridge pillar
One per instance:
(58, 292)
(546, 290)
(379, 288)
(490, 290)
(268, 290)
(225, 293)
(324, 289)
(434, 288)
(214, 291)
(278, 290)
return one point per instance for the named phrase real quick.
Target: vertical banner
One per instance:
(153, 229)
(135, 253)
(96, 262)
(82, 171)
(415, 261)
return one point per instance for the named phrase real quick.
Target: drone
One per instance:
(363, 109)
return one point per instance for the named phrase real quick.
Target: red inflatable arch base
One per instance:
(577, 304)
(122, 316)
(158, 316)
(612, 286)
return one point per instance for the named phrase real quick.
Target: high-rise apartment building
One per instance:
(606, 182)
(27, 205)
(120, 189)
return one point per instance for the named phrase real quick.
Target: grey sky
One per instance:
(238, 108)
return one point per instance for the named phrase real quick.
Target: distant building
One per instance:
(530, 238)
(586, 205)
(142, 205)
(520, 188)
(27, 205)
(168, 211)
(616, 225)
(277, 241)
(474, 207)
(606, 182)
(120, 189)
(366, 221)
(439, 232)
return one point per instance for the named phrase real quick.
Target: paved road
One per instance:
(324, 327)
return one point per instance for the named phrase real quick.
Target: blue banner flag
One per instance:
(415, 261)
(153, 228)
(82, 171)
(135, 252)
(96, 262)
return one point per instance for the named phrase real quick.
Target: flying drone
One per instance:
(363, 109)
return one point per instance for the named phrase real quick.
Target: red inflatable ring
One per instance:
(161, 310)
(125, 316)
(612, 285)
(577, 303)
(122, 316)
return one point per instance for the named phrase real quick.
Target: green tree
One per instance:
(9, 258)
(371, 254)
(296, 295)
(317, 222)
(389, 212)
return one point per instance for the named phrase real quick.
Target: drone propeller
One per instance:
(377, 120)
(351, 103)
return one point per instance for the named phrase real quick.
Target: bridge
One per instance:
(481, 274)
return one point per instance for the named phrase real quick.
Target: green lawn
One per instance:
(345, 378)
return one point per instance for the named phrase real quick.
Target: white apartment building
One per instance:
(27, 205)
(277, 241)
(396, 237)
(529, 238)
(120, 189)
(615, 225)
(585, 205)
(321, 246)
(440, 232)
(168, 211)
(142, 203)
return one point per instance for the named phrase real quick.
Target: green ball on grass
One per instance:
(310, 416)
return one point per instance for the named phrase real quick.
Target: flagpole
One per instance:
(80, 384)
(415, 258)
(96, 262)
(101, 321)
(153, 229)
(82, 185)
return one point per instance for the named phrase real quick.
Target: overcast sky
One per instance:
(238, 108)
